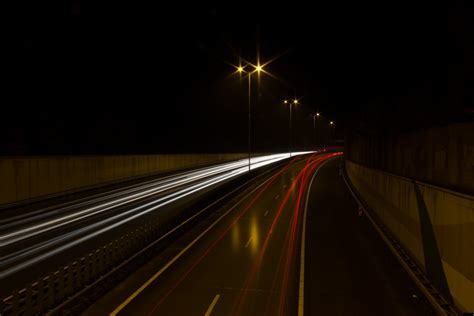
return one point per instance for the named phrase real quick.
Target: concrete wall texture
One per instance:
(436, 226)
(31, 178)
(442, 156)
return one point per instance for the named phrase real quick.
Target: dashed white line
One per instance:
(211, 307)
(277, 196)
(266, 213)
(248, 242)
(163, 269)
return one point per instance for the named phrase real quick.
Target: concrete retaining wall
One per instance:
(27, 178)
(442, 156)
(426, 219)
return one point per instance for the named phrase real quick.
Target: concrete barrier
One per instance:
(24, 179)
(442, 156)
(434, 224)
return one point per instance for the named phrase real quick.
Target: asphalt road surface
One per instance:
(245, 258)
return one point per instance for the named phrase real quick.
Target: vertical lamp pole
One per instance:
(333, 134)
(249, 123)
(314, 129)
(295, 102)
(240, 69)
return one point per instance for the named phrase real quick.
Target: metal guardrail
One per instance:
(48, 291)
(436, 299)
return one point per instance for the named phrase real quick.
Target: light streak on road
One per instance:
(167, 190)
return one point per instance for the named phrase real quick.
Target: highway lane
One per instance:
(350, 270)
(245, 264)
(248, 262)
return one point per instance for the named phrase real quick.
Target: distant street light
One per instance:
(314, 128)
(333, 131)
(294, 102)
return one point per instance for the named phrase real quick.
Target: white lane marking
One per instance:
(266, 213)
(211, 307)
(248, 242)
(157, 274)
(277, 196)
(284, 186)
(303, 244)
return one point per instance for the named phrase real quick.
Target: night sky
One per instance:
(159, 78)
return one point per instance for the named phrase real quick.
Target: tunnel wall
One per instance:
(433, 223)
(24, 179)
(442, 156)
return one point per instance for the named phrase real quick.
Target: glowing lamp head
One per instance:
(258, 68)
(295, 101)
(331, 123)
(318, 114)
(285, 101)
(240, 69)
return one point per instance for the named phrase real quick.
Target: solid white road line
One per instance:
(211, 307)
(303, 244)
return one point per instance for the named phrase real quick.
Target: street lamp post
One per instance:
(314, 129)
(250, 116)
(258, 69)
(295, 102)
(333, 130)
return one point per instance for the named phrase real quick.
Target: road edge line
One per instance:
(430, 298)
(303, 242)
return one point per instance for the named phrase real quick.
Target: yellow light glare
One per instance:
(295, 101)
(258, 68)
(240, 69)
(317, 114)
(285, 101)
(332, 123)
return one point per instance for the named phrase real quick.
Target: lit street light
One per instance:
(314, 128)
(333, 131)
(294, 102)
(258, 69)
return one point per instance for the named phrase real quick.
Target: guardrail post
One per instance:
(28, 300)
(40, 297)
(86, 269)
(100, 260)
(70, 280)
(50, 295)
(79, 272)
(113, 249)
(107, 256)
(60, 277)
(93, 263)
(15, 303)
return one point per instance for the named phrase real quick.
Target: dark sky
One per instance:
(157, 78)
